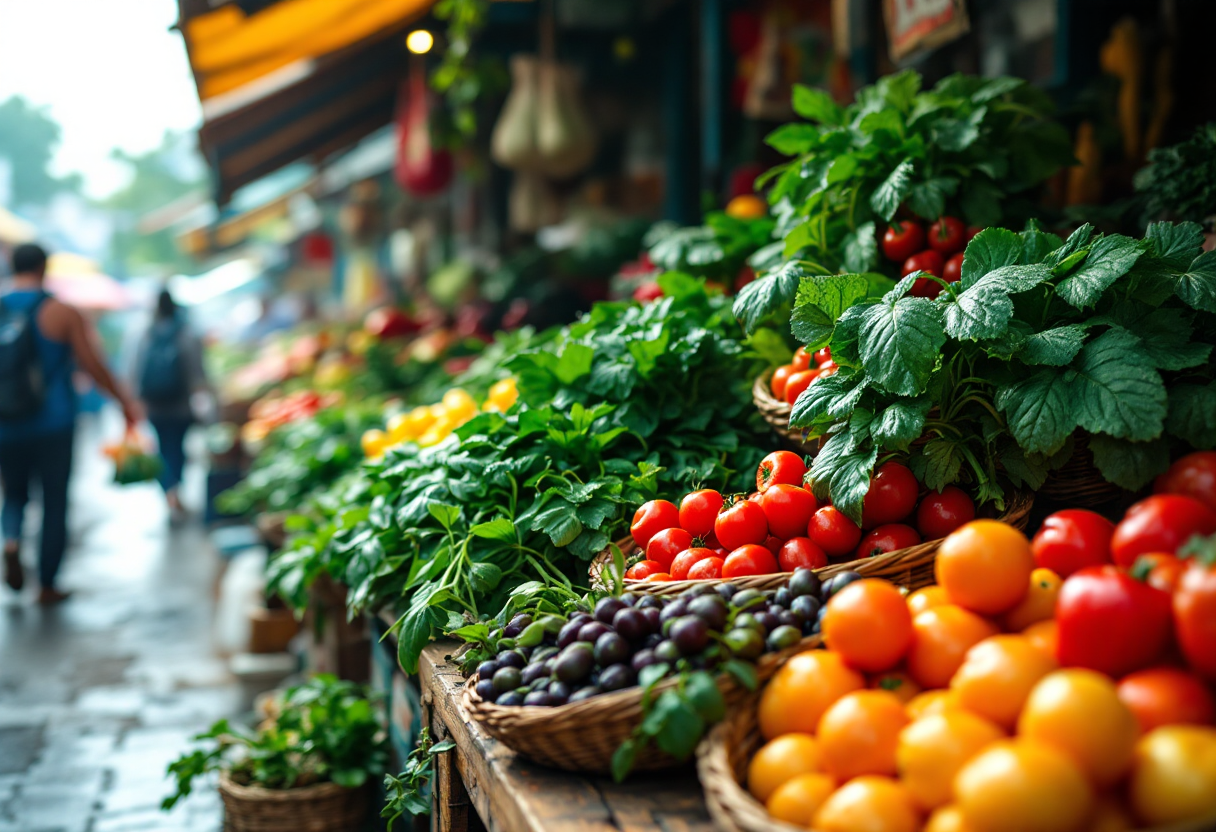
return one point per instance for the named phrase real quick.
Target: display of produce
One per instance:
(1000, 699)
(135, 459)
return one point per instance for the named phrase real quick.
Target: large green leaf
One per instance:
(991, 249)
(861, 249)
(826, 399)
(984, 309)
(901, 423)
(1039, 411)
(899, 343)
(1054, 347)
(1130, 465)
(793, 139)
(816, 105)
(1077, 242)
(1176, 244)
(1109, 259)
(1117, 390)
(841, 473)
(1197, 285)
(766, 295)
(1190, 416)
(927, 199)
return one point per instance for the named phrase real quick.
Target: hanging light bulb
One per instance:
(419, 41)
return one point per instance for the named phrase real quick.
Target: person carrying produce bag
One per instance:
(41, 342)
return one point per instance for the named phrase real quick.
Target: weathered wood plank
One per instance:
(510, 794)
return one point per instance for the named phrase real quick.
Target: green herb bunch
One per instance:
(408, 791)
(1041, 341)
(973, 147)
(1179, 182)
(322, 731)
(718, 250)
(630, 402)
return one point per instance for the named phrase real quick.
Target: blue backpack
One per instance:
(22, 381)
(163, 377)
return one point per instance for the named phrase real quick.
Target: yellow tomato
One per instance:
(419, 419)
(933, 749)
(897, 682)
(780, 760)
(798, 799)
(459, 404)
(937, 701)
(869, 803)
(1039, 603)
(399, 428)
(1022, 785)
(1080, 713)
(805, 686)
(1174, 775)
(927, 598)
(945, 819)
(997, 675)
(503, 394)
(746, 207)
(373, 442)
(1044, 635)
(858, 733)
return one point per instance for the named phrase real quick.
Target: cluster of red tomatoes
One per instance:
(1128, 600)
(789, 380)
(905, 242)
(782, 526)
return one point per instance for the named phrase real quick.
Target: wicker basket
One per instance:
(1078, 483)
(777, 414)
(325, 807)
(911, 567)
(722, 760)
(584, 735)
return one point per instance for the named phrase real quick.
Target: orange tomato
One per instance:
(1022, 785)
(997, 675)
(945, 819)
(897, 682)
(870, 803)
(779, 760)
(1044, 635)
(869, 625)
(1165, 571)
(781, 377)
(927, 598)
(1039, 603)
(1078, 711)
(932, 750)
(1167, 696)
(798, 694)
(858, 734)
(941, 638)
(931, 702)
(1174, 777)
(985, 566)
(799, 798)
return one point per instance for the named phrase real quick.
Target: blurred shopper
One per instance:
(41, 342)
(169, 370)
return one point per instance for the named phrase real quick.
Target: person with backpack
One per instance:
(169, 369)
(42, 341)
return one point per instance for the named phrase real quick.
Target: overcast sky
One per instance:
(112, 72)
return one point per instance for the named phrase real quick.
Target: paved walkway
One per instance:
(98, 694)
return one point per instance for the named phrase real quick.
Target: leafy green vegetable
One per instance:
(1179, 182)
(407, 792)
(988, 384)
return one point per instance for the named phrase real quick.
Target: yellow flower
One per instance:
(374, 442)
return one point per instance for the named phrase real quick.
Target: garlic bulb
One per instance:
(513, 144)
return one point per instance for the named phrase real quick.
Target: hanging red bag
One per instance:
(422, 169)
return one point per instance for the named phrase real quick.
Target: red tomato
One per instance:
(1163, 571)
(1072, 539)
(1194, 475)
(660, 577)
(708, 569)
(832, 532)
(1195, 617)
(952, 272)
(829, 365)
(773, 543)
(801, 360)
(1160, 523)
(892, 495)
(749, 560)
(647, 292)
(686, 560)
(788, 509)
(822, 355)
(781, 377)
(780, 467)
(902, 239)
(651, 519)
(740, 524)
(801, 552)
(754, 497)
(941, 512)
(699, 510)
(947, 235)
(1110, 622)
(927, 261)
(642, 570)
(886, 538)
(972, 230)
(799, 382)
(665, 545)
(1167, 696)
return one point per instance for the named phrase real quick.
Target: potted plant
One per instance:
(303, 768)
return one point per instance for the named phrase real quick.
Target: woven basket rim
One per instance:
(762, 392)
(263, 794)
(1017, 511)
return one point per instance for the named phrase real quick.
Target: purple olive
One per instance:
(643, 658)
(769, 621)
(617, 676)
(690, 634)
(539, 698)
(533, 672)
(585, 693)
(654, 620)
(592, 630)
(611, 648)
(607, 608)
(485, 689)
(487, 669)
(573, 664)
(711, 609)
(510, 699)
(569, 633)
(511, 658)
(631, 624)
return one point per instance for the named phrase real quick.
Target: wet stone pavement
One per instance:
(99, 694)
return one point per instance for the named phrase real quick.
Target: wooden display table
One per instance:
(482, 784)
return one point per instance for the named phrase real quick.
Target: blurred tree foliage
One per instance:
(28, 139)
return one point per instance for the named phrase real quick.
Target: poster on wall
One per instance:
(916, 25)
